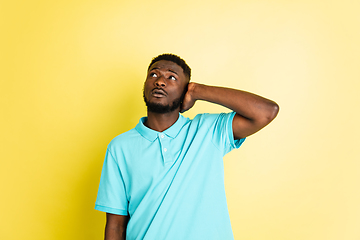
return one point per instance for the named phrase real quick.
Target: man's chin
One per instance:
(158, 108)
(163, 108)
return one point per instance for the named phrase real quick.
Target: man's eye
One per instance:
(172, 78)
(153, 75)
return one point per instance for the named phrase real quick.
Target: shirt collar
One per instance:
(151, 134)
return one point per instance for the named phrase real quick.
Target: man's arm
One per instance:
(115, 228)
(253, 112)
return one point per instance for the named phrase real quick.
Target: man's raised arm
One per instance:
(253, 112)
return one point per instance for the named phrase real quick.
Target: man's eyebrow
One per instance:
(157, 68)
(173, 72)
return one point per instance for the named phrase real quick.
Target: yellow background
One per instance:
(71, 79)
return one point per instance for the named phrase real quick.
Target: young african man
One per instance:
(164, 179)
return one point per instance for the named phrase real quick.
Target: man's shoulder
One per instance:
(124, 137)
(210, 117)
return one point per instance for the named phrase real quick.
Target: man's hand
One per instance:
(189, 99)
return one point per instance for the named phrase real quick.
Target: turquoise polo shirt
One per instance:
(170, 183)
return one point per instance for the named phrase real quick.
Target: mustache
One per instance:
(159, 89)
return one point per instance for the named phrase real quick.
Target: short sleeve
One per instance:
(223, 136)
(111, 196)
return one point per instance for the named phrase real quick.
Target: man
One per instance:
(164, 179)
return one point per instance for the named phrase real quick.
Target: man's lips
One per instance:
(158, 92)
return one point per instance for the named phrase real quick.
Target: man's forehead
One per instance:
(166, 65)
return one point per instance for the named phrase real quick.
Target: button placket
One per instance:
(165, 148)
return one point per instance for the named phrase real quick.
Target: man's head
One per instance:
(166, 83)
(175, 59)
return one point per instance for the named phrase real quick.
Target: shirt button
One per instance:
(162, 135)
(165, 149)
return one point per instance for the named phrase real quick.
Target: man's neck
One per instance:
(161, 121)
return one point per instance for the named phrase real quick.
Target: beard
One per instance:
(160, 108)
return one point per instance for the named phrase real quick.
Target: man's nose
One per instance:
(160, 81)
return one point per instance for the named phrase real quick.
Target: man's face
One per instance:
(165, 87)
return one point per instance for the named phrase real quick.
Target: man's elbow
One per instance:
(273, 111)
(270, 113)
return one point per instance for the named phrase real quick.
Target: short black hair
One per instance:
(175, 59)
